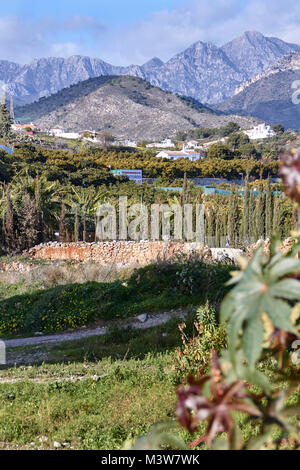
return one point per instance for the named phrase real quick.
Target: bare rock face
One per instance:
(253, 53)
(269, 96)
(204, 71)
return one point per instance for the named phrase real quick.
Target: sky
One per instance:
(124, 32)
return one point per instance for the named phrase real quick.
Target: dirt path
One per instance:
(137, 323)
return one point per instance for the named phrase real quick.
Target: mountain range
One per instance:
(125, 106)
(273, 96)
(203, 71)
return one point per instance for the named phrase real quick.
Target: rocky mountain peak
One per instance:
(203, 71)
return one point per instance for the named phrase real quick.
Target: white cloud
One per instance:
(163, 33)
(64, 49)
(21, 41)
(84, 23)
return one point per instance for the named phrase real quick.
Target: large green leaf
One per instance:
(252, 340)
(279, 312)
(284, 267)
(286, 289)
(260, 289)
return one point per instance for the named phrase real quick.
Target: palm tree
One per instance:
(83, 202)
(46, 195)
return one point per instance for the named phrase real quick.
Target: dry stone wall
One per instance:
(125, 252)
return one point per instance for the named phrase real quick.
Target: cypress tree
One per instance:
(252, 203)
(246, 213)
(277, 228)
(218, 232)
(260, 214)
(210, 226)
(269, 209)
(223, 229)
(184, 190)
(233, 219)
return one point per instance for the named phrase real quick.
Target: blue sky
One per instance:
(113, 12)
(133, 31)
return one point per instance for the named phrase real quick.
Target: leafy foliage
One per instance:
(194, 355)
(263, 287)
(70, 306)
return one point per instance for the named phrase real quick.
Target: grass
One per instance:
(95, 393)
(94, 413)
(153, 288)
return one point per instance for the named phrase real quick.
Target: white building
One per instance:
(173, 155)
(126, 143)
(60, 132)
(167, 143)
(262, 131)
(56, 131)
(192, 144)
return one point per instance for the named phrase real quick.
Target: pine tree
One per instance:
(5, 121)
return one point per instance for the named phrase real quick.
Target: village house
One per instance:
(262, 131)
(29, 128)
(176, 155)
(58, 131)
(127, 143)
(166, 143)
(192, 144)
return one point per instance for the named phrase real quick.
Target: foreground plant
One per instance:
(194, 406)
(194, 354)
(263, 295)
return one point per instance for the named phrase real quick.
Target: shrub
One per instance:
(194, 355)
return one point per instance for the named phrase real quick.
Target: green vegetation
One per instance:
(42, 189)
(203, 133)
(98, 393)
(154, 288)
(116, 400)
(5, 121)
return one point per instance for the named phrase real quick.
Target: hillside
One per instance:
(270, 95)
(124, 106)
(204, 71)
